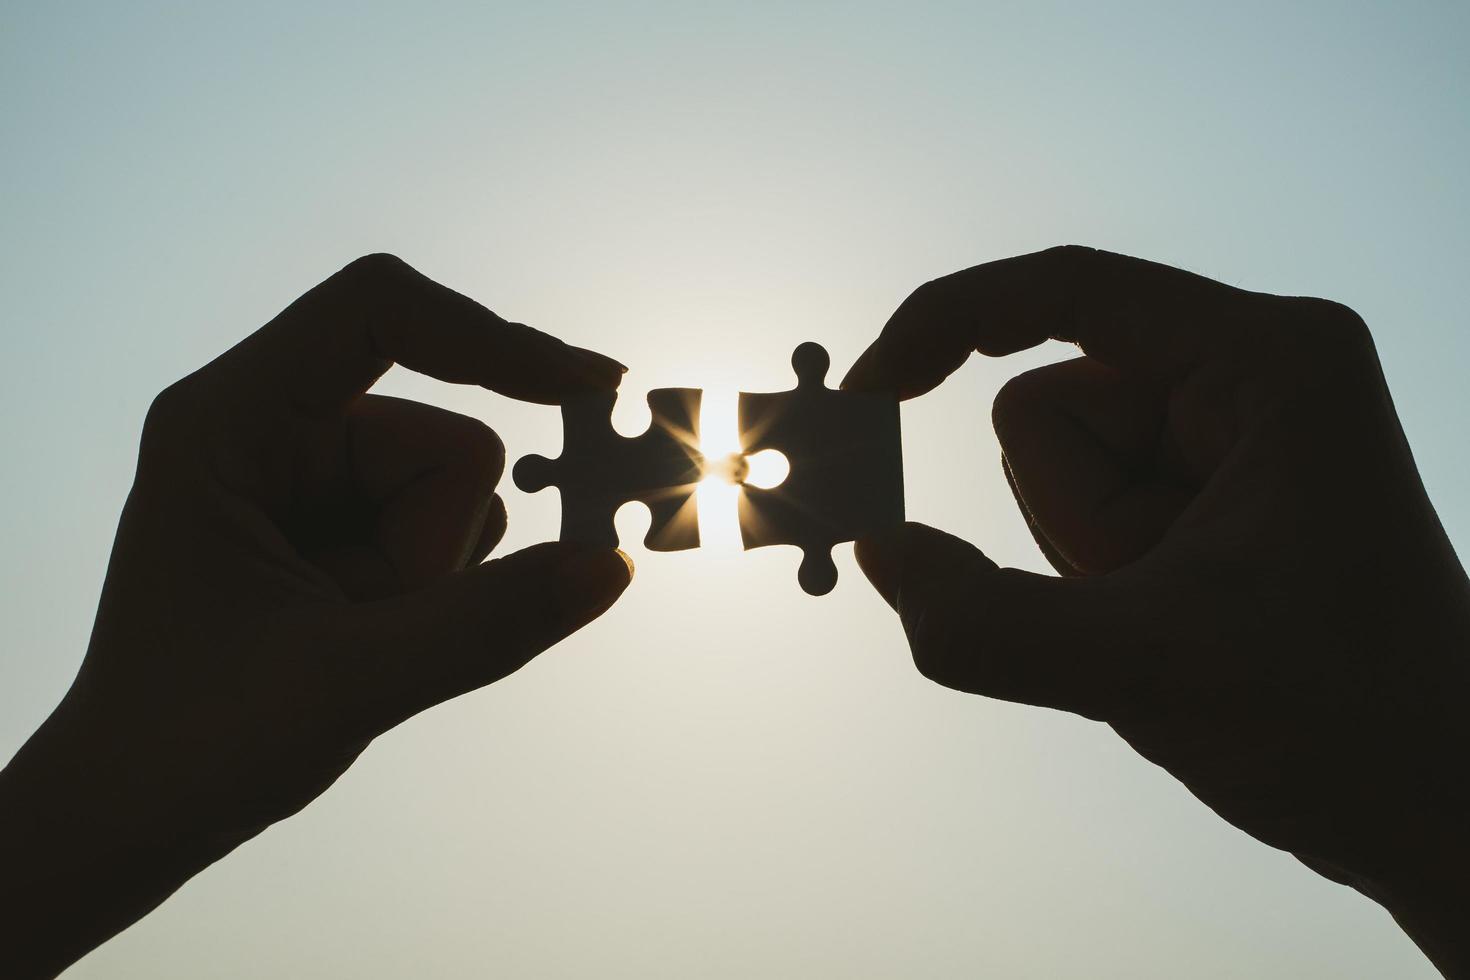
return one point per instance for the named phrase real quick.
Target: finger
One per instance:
(473, 628)
(495, 526)
(1048, 550)
(366, 571)
(1128, 313)
(1061, 643)
(400, 495)
(332, 344)
(433, 473)
(1086, 458)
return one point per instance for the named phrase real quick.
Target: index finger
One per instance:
(330, 345)
(1131, 314)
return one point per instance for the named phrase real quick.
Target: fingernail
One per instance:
(588, 583)
(881, 557)
(601, 365)
(490, 515)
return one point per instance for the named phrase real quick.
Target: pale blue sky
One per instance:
(724, 777)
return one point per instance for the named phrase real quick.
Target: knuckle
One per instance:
(169, 408)
(377, 263)
(926, 291)
(372, 268)
(924, 298)
(1071, 253)
(1073, 259)
(173, 419)
(1337, 323)
(1326, 332)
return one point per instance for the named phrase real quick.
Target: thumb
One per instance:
(1002, 632)
(474, 627)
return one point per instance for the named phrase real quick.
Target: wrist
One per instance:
(1433, 909)
(1427, 891)
(1424, 882)
(82, 853)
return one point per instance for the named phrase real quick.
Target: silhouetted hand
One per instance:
(1256, 592)
(289, 580)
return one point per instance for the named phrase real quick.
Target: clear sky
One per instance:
(723, 778)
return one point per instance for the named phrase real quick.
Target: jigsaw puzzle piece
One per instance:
(599, 470)
(846, 476)
(675, 522)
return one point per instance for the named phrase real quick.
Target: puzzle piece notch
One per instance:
(846, 459)
(599, 470)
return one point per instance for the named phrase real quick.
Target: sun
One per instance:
(718, 494)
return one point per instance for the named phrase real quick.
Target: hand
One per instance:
(1255, 590)
(296, 571)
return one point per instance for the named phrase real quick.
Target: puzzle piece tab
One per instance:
(599, 471)
(846, 477)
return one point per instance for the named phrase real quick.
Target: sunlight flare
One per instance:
(719, 523)
(728, 471)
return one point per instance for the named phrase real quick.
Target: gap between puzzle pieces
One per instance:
(843, 449)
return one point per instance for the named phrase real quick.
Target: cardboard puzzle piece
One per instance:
(599, 471)
(846, 477)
